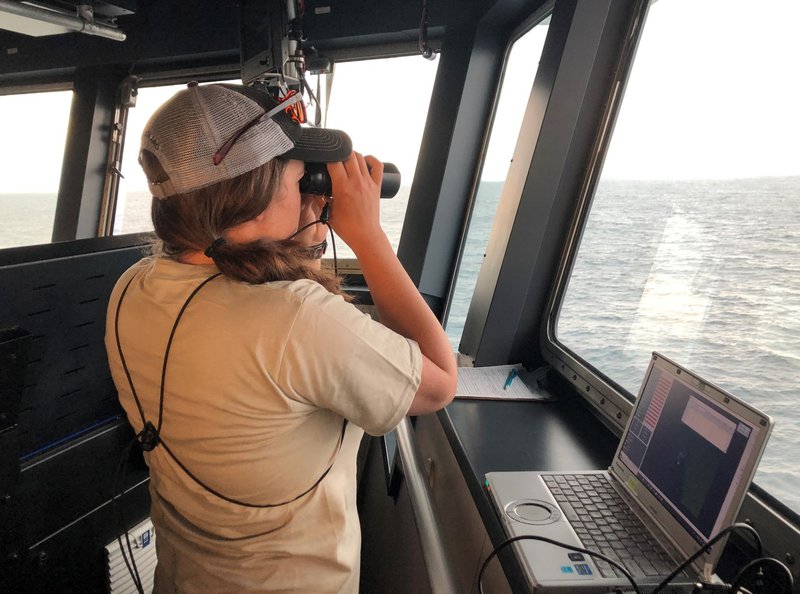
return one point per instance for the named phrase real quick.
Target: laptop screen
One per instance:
(688, 450)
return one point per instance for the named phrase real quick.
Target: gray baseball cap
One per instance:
(205, 134)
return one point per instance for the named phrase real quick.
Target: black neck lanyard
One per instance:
(150, 435)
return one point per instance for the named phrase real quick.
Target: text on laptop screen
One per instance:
(688, 451)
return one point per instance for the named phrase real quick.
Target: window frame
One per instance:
(778, 525)
(39, 88)
(613, 402)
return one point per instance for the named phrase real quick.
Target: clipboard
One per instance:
(501, 382)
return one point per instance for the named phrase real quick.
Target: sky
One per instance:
(713, 94)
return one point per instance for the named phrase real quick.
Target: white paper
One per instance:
(490, 382)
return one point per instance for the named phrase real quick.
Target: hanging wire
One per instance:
(424, 49)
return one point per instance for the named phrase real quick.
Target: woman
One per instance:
(247, 376)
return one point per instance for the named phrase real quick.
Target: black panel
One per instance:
(48, 251)
(183, 32)
(14, 348)
(72, 560)
(73, 481)
(175, 34)
(61, 303)
(59, 461)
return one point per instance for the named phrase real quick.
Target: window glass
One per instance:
(34, 129)
(364, 101)
(521, 69)
(692, 246)
(383, 105)
(133, 197)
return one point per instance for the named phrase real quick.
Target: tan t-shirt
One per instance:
(258, 381)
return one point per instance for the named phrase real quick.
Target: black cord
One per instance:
(150, 437)
(705, 548)
(314, 101)
(119, 351)
(424, 49)
(505, 543)
(672, 575)
(335, 259)
(757, 564)
(323, 219)
(133, 570)
(169, 347)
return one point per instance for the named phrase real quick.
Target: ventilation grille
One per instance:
(143, 543)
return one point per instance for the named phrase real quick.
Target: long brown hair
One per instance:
(194, 220)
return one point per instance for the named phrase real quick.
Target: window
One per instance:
(514, 93)
(34, 129)
(364, 102)
(133, 197)
(386, 119)
(692, 246)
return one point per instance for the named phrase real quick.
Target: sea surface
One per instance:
(706, 272)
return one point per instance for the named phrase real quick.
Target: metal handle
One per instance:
(433, 552)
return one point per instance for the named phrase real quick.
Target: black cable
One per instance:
(119, 351)
(307, 225)
(133, 570)
(505, 543)
(324, 216)
(318, 110)
(260, 505)
(756, 563)
(150, 437)
(335, 259)
(169, 346)
(424, 50)
(323, 219)
(705, 548)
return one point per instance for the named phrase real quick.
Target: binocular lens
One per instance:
(317, 180)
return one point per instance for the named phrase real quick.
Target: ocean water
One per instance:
(706, 272)
(27, 219)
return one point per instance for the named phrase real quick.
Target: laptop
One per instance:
(680, 474)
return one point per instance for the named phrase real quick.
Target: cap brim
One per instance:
(320, 145)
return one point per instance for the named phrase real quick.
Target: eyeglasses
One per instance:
(292, 103)
(295, 108)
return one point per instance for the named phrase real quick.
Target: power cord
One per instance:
(505, 543)
(133, 570)
(756, 565)
(704, 549)
(759, 578)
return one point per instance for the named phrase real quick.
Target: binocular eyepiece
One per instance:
(316, 180)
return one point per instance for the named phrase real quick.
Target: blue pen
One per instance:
(511, 375)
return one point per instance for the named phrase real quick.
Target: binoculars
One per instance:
(317, 180)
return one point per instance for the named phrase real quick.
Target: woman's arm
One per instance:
(355, 216)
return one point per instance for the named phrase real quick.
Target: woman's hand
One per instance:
(355, 210)
(355, 216)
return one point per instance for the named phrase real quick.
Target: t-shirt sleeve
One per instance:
(339, 358)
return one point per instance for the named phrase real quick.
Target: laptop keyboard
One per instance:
(604, 523)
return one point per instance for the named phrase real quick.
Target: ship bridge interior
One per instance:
(582, 183)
